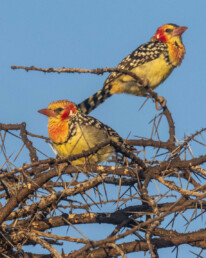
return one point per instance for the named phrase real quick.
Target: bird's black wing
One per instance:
(143, 54)
(85, 120)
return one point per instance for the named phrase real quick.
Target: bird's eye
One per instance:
(58, 110)
(168, 30)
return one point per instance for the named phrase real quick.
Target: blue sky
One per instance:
(92, 34)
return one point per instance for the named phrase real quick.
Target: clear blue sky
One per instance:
(92, 34)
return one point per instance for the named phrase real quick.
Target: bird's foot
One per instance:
(144, 82)
(160, 103)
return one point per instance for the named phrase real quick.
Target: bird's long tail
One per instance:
(95, 100)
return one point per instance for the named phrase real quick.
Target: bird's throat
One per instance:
(58, 131)
(176, 53)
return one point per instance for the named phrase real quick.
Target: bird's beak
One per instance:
(178, 31)
(47, 112)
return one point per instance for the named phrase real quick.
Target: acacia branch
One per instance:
(36, 198)
(169, 239)
(97, 71)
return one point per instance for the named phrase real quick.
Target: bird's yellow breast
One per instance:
(85, 138)
(155, 72)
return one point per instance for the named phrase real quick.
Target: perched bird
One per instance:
(73, 132)
(153, 62)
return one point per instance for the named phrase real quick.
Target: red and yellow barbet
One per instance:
(153, 61)
(73, 132)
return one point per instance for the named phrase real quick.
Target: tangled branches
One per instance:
(140, 202)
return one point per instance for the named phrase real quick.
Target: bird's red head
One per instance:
(59, 113)
(168, 31)
(61, 110)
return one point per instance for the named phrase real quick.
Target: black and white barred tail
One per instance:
(95, 100)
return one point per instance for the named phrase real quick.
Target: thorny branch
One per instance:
(151, 199)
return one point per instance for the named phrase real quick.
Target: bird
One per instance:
(152, 62)
(73, 132)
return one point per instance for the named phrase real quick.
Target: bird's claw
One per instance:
(144, 82)
(160, 103)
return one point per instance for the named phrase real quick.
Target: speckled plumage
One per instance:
(143, 54)
(153, 61)
(73, 132)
